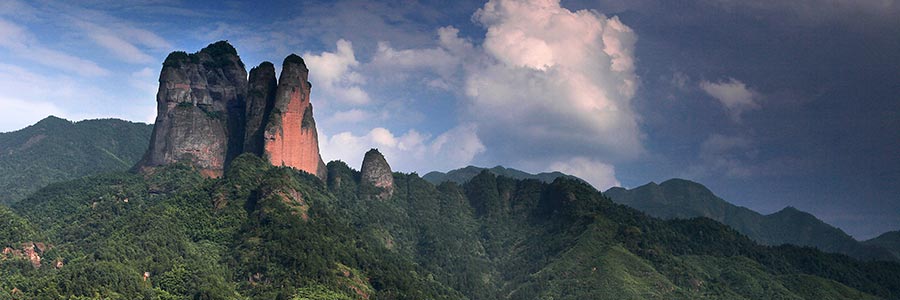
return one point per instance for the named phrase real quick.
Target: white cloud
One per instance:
(350, 116)
(601, 175)
(411, 151)
(145, 80)
(547, 84)
(554, 82)
(122, 39)
(71, 97)
(732, 94)
(120, 48)
(17, 113)
(334, 73)
(21, 43)
(458, 145)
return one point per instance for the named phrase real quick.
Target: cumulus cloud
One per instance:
(545, 85)
(21, 43)
(409, 151)
(601, 175)
(555, 82)
(733, 95)
(334, 73)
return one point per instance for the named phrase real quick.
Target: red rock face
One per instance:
(290, 138)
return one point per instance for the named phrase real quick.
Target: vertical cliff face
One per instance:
(200, 110)
(290, 134)
(260, 99)
(208, 113)
(377, 179)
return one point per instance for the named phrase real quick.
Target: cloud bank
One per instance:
(546, 84)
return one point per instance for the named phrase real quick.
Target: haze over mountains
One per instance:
(230, 204)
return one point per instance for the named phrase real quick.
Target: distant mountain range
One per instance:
(465, 174)
(56, 149)
(678, 198)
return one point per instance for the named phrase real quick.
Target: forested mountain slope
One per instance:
(678, 198)
(55, 149)
(264, 232)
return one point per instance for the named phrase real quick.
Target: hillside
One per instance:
(465, 174)
(55, 149)
(263, 232)
(888, 240)
(681, 199)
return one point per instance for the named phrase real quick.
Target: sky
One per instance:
(768, 103)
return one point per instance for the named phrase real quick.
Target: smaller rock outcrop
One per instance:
(377, 179)
(29, 251)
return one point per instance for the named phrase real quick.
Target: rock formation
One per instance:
(260, 98)
(290, 135)
(200, 108)
(377, 179)
(208, 113)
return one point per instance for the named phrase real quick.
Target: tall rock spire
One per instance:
(208, 113)
(200, 108)
(290, 135)
(260, 99)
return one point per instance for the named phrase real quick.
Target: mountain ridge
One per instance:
(55, 149)
(464, 174)
(679, 198)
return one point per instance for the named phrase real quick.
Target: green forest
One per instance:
(264, 232)
(56, 149)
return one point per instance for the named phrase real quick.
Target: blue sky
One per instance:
(769, 103)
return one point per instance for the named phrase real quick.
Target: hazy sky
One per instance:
(769, 103)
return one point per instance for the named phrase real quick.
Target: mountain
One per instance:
(55, 149)
(889, 241)
(193, 222)
(678, 198)
(464, 174)
(266, 232)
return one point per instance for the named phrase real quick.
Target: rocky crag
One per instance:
(208, 112)
(377, 178)
(290, 137)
